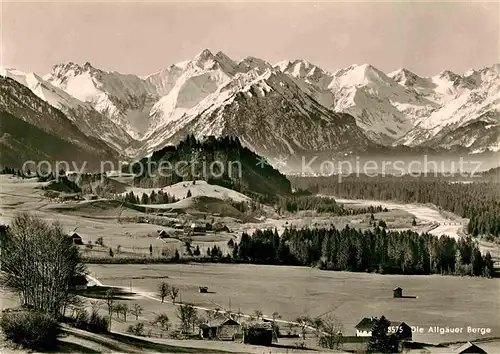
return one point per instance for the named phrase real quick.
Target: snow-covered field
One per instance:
(198, 189)
(446, 225)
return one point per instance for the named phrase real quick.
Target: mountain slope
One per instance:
(86, 118)
(270, 114)
(273, 108)
(222, 161)
(469, 115)
(33, 129)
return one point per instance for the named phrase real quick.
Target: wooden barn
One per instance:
(259, 334)
(221, 329)
(77, 239)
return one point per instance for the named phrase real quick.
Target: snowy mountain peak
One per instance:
(253, 63)
(300, 68)
(405, 77)
(205, 59)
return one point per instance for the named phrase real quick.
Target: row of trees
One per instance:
(375, 250)
(296, 203)
(479, 202)
(153, 198)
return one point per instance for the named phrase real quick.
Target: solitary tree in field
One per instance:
(414, 222)
(163, 290)
(173, 293)
(38, 262)
(162, 320)
(136, 310)
(189, 194)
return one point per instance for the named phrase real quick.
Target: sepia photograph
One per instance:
(261, 177)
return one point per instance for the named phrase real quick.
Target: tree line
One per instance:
(159, 197)
(479, 202)
(375, 250)
(295, 203)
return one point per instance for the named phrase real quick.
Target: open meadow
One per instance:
(442, 301)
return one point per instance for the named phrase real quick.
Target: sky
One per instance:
(145, 37)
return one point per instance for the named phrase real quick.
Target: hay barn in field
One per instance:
(77, 239)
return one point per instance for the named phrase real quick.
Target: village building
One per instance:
(218, 226)
(77, 239)
(221, 329)
(469, 348)
(364, 328)
(203, 289)
(397, 292)
(198, 227)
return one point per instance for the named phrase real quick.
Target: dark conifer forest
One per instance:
(374, 250)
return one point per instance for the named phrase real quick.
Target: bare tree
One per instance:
(163, 320)
(95, 305)
(332, 331)
(38, 262)
(136, 310)
(187, 314)
(258, 314)
(124, 310)
(163, 290)
(173, 293)
(303, 322)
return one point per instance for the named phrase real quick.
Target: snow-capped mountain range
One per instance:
(286, 108)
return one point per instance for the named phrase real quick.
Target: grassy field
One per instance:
(292, 291)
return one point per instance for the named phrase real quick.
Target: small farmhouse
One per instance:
(469, 348)
(77, 239)
(401, 329)
(398, 292)
(220, 329)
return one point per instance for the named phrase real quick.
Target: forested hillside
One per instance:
(479, 202)
(223, 161)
